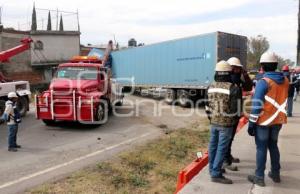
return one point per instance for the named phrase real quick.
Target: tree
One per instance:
(33, 19)
(282, 62)
(49, 25)
(256, 47)
(61, 24)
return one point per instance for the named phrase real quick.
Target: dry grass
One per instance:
(151, 168)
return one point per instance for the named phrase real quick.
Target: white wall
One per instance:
(57, 48)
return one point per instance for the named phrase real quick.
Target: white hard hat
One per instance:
(12, 95)
(233, 61)
(268, 57)
(223, 66)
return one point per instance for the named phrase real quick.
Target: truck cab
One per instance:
(82, 90)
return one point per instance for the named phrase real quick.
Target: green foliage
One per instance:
(49, 25)
(33, 20)
(61, 24)
(256, 47)
(138, 180)
(282, 62)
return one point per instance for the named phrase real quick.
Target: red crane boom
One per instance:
(5, 55)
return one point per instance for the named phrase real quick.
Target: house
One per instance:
(49, 49)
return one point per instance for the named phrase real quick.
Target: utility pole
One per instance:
(56, 19)
(78, 25)
(298, 42)
(0, 15)
(1, 26)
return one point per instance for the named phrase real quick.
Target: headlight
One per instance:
(43, 100)
(86, 101)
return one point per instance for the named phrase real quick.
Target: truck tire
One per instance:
(101, 112)
(183, 98)
(48, 122)
(22, 105)
(170, 96)
(2, 108)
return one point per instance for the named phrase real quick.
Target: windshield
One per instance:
(77, 73)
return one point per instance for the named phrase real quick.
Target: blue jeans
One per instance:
(12, 135)
(218, 147)
(290, 106)
(266, 137)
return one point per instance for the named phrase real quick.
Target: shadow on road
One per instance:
(71, 126)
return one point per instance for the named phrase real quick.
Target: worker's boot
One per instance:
(235, 160)
(12, 149)
(275, 178)
(221, 179)
(18, 146)
(223, 170)
(255, 180)
(231, 167)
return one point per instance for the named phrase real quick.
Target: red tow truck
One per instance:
(82, 91)
(22, 88)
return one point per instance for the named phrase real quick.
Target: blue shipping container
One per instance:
(182, 63)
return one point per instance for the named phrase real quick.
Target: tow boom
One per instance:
(7, 54)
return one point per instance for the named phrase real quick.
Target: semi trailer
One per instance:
(184, 67)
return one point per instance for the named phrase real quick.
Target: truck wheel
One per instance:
(170, 96)
(22, 105)
(2, 108)
(101, 112)
(48, 122)
(183, 98)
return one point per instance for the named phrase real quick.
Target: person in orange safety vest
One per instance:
(268, 113)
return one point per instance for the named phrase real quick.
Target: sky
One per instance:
(151, 21)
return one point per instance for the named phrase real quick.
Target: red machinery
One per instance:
(5, 55)
(22, 88)
(81, 91)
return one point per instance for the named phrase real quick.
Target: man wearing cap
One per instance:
(12, 117)
(242, 80)
(267, 116)
(221, 108)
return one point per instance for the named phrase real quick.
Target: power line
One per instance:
(60, 11)
(0, 15)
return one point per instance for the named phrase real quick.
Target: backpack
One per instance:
(17, 115)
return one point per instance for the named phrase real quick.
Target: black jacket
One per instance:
(293, 82)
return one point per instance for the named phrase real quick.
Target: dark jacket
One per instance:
(293, 84)
(247, 83)
(223, 106)
(108, 63)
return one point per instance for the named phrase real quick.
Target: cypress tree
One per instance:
(49, 26)
(61, 24)
(33, 19)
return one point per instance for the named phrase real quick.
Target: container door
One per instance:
(231, 45)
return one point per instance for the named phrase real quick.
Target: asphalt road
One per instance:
(49, 153)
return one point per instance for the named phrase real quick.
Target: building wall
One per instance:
(20, 62)
(36, 66)
(57, 47)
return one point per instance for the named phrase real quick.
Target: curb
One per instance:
(190, 171)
